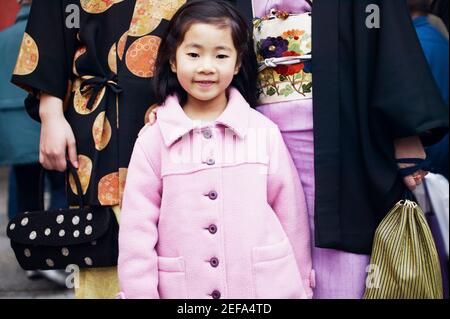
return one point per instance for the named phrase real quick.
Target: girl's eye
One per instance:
(222, 56)
(193, 55)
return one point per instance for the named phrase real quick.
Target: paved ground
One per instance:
(13, 282)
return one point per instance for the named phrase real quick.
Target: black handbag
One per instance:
(86, 236)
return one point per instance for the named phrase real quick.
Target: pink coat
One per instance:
(213, 211)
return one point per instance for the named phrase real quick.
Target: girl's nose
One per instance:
(206, 70)
(206, 67)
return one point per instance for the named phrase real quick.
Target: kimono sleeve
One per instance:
(46, 52)
(405, 93)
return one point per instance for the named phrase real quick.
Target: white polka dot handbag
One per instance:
(86, 237)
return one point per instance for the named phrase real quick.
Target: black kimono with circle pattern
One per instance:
(103, 69)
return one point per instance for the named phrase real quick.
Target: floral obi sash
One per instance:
(283, 50)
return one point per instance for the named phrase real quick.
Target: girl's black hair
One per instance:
(215, 12)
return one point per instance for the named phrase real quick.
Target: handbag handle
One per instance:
(70, 170)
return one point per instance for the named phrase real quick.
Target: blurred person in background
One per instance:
(438, 16)
(9, 13)
(19, 142)
(440, 9)
(434, 42)
(435, 48)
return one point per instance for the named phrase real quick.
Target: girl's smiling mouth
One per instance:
(205, 84)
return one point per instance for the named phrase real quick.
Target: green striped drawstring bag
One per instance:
(404, 261)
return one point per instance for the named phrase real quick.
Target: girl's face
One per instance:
(206, 62)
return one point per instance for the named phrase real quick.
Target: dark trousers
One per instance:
(24, 189)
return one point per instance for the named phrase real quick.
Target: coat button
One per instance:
(215, 294)
(207, 133)
(212, 195)
(212, 229)
(210, 161)
(214, 262)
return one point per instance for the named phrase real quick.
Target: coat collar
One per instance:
(174, 123)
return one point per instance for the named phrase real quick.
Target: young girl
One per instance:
(213, 206)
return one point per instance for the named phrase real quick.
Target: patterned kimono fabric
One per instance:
(286, 98)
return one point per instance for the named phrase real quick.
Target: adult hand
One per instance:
(410, 147)
(57, 138)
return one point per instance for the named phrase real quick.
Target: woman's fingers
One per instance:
(60, 163)
(42, 159)
(57, 140)
(57, 160)
(415, 179)
(52, 157)
(409, 182)
(423, 173)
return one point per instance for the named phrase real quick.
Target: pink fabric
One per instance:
(339, 274)
(262, 7)
(262, 239)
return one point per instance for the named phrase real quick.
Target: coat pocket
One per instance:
(172, 278)
(275, 272)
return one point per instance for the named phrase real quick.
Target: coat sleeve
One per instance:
(138, 234)
(405, 92)
(286, 197)
(46, 53)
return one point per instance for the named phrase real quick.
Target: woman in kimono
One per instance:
(97, 56)
(352, 99)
